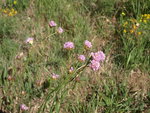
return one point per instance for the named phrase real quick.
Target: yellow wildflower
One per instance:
(10, 14)
(4, 11)
(15, 2)
(131, 31)
(139, 33)
(15, 12)
(124, 30)
(145, 15)
(134, 26)
(12, 10)
(145, 21)
(123, 13)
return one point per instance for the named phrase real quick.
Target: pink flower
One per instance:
(60, 30)
(29, 40)
(81, 58)
(71, 70)
(69, 45)
(52, 24)
(94, 65)
(87, 44)
(54, 76)
(24, 107)
(98, 56)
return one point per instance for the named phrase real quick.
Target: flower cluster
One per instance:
(98, 56)
(123, 14)
(71, 70)
(54, 76)
(9, 12)
(29, 40)
(87, 44)
(132, 27)
(23, 107)
(135, 26)
(53, 24)
(15, 2)
(96, 59)
(69, 45)
(60, 30)
(94, 65)
(145, 18)
(81, 58)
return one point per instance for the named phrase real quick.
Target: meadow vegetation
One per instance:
(75, 56)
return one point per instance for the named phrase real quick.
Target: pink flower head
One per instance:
(29, 40)
(24, 107)
(71, 70)
(94, 65)
(54, 76)
(81, 58)
(98, 56)
(87, 44)
(52, 24)
(60, 30)
(69, 45)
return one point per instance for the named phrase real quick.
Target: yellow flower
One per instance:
(12, 10)
(145, 14)
(15, 12)
(131, 31)
(134, 26)
(123, 13)
(15, 2)
(148, 17)
(145, 21)
(10, 14)
(4, 11)
(124, 30)
(139, 33)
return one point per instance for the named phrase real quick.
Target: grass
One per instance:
(120, 29)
